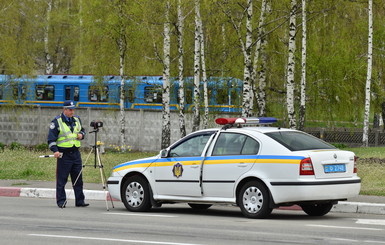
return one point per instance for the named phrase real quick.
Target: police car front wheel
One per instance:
(136, 194)
(253, 200)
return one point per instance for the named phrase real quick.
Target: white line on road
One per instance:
(347, 227)
(144, 215)
(379, 242)
(371, 221)
(110, 239)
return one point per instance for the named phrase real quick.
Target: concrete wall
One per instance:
(29, 126)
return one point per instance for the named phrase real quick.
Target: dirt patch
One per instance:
(372, 160)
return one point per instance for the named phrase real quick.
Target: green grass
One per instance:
(371, 169)
(26, 165)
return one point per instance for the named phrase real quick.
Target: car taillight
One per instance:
(355, 165)
(306, 167)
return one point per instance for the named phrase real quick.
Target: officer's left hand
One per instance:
(80, 136)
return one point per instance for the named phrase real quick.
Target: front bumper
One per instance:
(114, 187)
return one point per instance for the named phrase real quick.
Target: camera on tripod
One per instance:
(96, 124)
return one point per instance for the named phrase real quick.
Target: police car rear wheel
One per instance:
(317, 209)
(253, 200)
(136, 194)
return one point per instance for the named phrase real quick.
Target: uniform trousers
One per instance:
(70, 164)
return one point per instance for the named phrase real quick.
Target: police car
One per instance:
(257, 168)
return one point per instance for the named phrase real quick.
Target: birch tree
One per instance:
(197, 51)
(302, 106)
(247, 93)
(365, 138)
(179, 29)
(291, 66)
(166, 80)
(204, 75)
(48, 58)
(247, 99)
(260, 46)
(122, 46)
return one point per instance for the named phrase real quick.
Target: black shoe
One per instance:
(61, 205)
(82, 205)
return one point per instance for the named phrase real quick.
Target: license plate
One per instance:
(335, 168)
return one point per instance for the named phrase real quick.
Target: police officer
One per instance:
(65, 133)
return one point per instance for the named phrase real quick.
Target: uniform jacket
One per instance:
(54, 132)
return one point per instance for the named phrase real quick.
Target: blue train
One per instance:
(143, 92)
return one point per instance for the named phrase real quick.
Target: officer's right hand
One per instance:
(57, 154)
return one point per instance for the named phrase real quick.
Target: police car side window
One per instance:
(191, 147)
(235, 144)
(251, 147)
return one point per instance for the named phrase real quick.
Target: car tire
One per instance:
(136, 194)
(199, 206)
(254, 200)
(318, 209)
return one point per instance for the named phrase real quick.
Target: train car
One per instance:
(144, 92)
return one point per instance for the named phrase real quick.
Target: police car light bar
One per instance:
(248, 120)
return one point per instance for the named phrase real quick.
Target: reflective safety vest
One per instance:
(66, 138)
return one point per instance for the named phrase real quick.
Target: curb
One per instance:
(50, 193)
(341, 207)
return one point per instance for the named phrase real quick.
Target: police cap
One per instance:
(69, 104)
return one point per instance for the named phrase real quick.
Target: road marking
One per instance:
(347, 227)
(371, 221)
(144, 215)
(379, 242)
(111, 239)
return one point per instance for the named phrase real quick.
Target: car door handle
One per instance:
(242, 165)
(194, 166)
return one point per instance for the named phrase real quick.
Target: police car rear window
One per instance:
(298, 141)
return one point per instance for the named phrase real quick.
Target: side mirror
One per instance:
(163, 153)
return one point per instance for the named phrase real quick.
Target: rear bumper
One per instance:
(299, 191)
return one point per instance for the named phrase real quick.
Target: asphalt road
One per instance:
(38, 221)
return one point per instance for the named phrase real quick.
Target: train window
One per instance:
(235, 97)
(222, 97)
(189, 95)
(72, 93)
(15, 92)
(1, 91)
(153, 94)
(130, 95)
(45, 92)
(19, 91)
(98, 93)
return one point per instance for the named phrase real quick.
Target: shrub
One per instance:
(15, 146)
(41, 147)
(2, 147)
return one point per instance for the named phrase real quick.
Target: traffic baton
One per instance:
(43, 156)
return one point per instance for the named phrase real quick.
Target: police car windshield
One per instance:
(298, 141)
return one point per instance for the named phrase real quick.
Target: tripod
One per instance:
(97, 163)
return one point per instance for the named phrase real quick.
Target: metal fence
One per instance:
(348, 136)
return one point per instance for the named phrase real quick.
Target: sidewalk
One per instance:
(92, 191)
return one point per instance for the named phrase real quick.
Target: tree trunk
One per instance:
(260, 93)
(180, 25)
(247, 89)
(48, 58)
(291, 67)
(302, 106)
(196, 116)
(365, 138)
(122, 45)
(204, 76)
(166, 81)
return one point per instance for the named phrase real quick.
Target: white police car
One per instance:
(256, 168)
